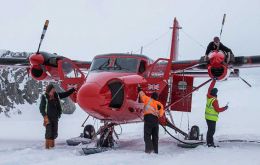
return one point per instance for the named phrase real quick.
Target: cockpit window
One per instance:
(126, 64)
(98, 63)
(121, 64)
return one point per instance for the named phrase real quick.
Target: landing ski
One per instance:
(89, 151)
(78, 140)
(190, 143)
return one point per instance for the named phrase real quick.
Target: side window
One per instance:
(142, 67)
(69, 71)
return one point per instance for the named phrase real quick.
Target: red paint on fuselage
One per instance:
(36, 59)
(94, 97)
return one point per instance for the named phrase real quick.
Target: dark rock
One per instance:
(17, 88)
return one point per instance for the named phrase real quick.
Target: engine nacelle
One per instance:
(220, 72)
(37, 72)
(217, 67)
(42, 72)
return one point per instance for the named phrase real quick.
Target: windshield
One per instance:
(98, 63)
(115, 64)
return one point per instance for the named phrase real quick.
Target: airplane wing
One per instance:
(14, 62)
(200, 68)
(24, 62)
(184, 72)
(240, 62)
(49, 67)
(85, 65)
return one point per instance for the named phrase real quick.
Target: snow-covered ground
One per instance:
(22, 136)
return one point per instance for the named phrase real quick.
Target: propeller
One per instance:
(43, 34)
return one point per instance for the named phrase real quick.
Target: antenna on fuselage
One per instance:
(141, 51)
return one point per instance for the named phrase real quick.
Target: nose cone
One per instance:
(36, 59)
(89, 98)
(216, 59)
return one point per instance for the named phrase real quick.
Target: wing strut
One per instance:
(247, 83)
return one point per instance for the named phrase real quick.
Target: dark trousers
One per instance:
(211, 132)
(52, 129)
(151, 131)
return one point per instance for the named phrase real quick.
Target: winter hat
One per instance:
(49, 88)
(155, 96)
(214, 92)
(216, 39)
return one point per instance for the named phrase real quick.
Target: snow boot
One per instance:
(148, 151)
(47, 144)
(212, 145)
(52, 143)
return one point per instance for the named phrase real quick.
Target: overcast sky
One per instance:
(81, 29)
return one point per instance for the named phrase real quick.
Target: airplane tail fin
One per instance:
(175, 40)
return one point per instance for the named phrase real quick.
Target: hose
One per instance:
(187, 143)
(239, 141)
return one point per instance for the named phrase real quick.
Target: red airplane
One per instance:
(109, 90)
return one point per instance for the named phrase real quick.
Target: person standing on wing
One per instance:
(153, 109)
(50, 108)
(211, 112)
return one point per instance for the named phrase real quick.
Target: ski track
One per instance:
(22, 136)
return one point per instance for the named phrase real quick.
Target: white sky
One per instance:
(80, 29)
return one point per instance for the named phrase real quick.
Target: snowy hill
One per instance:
(9, 54)
(22, 136)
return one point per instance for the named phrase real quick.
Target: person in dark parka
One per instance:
(51, 110)
(217, 45)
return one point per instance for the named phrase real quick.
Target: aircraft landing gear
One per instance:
(106, 136)
(105, 133)
(194, 133)
(88, 135)
(105, 142)
(89, 132)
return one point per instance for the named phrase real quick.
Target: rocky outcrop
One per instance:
(16, 87)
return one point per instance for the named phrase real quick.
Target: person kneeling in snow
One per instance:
(51, 110)
(211, 112)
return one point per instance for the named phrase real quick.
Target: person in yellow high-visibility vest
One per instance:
(153, 109)
(211, 112)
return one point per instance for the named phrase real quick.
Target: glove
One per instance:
(139, 88)
(45, 120)
(226, 107)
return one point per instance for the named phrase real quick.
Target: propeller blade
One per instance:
(247, 83)
(43, 34)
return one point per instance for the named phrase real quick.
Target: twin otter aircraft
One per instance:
(109, 90)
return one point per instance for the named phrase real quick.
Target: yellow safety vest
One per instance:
(210, 112)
